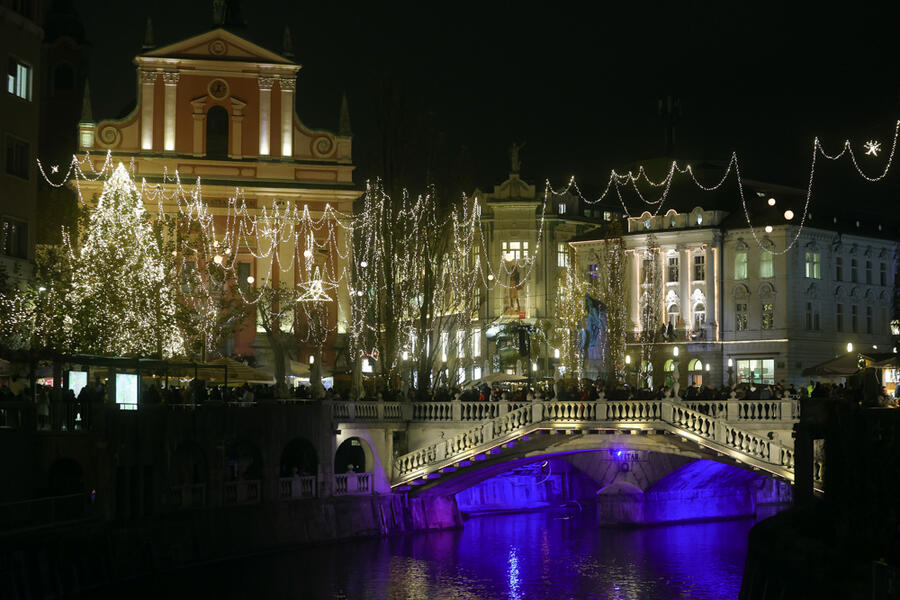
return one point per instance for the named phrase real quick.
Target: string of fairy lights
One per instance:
(617, 180)
(384, 254)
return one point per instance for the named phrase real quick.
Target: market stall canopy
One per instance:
(893, 362)
(844, 365)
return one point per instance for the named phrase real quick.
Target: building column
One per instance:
(287, 116)
(237, 118)
(712, 300)
(265, 109)
(685, 260)
(171, 82)
(199, 115)
(636, 288)
(148, 88)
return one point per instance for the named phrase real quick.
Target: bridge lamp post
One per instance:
(730, 372)
(627, 367)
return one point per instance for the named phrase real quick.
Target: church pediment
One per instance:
(218, 44)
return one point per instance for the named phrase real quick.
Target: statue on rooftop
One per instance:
(514, 162)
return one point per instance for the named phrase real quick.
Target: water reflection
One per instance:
(510, 557)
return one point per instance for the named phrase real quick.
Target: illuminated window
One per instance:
(18, 79)
(562, 255)
(476, 373)
(461, 374)
(768, 315)
(766, 266)
(514, 250)
(740, 316)
(699, 267)
(476, 342)
(460, 343)
(673, 315)
(444, 341)
(607, 216)
(672, 273)
(561, 209)
(756, 371)
(740, 265)
(699, 315)
(813, 260)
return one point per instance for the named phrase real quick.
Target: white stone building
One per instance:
(764, 304)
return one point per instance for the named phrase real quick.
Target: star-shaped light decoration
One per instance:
(54, 169)
(872, 147)
(314, 289)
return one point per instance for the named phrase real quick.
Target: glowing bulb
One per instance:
(730, 363)
(405, 355)
(675, 351)
(359, 292)
(215, 243)
(227, 250)
(534, 366)
(490, 276)
(174, 252)
(556, 353)
(312, 359)
(768, 229)
(364, 264)
(771, 201)
(509, 257)
(307, 253)
(217, 259)
(788, 214)
(42, 289)
(849, 346)
(250, 279)
(707, 366)
(627, 359)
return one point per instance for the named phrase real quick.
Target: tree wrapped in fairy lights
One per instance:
(570, 313)
(416, 284)
(122, 282)
(650, 304)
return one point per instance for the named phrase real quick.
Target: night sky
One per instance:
(578, 85)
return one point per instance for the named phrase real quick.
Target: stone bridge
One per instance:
(458, 444)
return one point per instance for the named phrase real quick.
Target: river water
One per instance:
(540, 556)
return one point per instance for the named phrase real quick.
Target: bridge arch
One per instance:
(299, 457)
(243, 461)
(354, 455)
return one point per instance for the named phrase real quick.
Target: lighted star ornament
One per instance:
(872, 147)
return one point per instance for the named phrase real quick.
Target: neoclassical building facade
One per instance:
(757, 305)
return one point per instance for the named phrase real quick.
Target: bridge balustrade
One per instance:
(693, 421)
(242, 492)
(192, 495)
(297, 487)
(633, 410)
(432, 411)
(352, 484)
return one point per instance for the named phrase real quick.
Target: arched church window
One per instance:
(217, 133)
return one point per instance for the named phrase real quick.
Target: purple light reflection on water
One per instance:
(534, 556)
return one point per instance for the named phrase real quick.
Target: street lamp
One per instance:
(730, 372)
(849, 346)
(675, 351)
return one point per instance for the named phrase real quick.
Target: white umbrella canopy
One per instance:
(500, 378)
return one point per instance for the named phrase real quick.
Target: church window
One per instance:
(217, 133)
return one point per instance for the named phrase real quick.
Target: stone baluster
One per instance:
(732, 408)
(380, 408)
(456, 408)
(406, 409)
